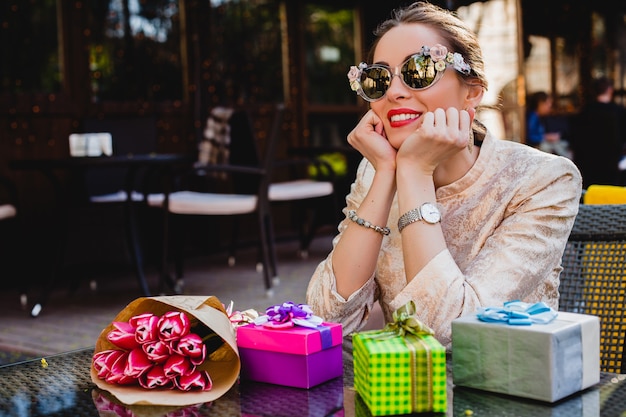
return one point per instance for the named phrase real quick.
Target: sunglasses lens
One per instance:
(419, 72)
(375, 82)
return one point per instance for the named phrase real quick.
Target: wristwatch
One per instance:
(427, 212)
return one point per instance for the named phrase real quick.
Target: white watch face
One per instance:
(430, 213)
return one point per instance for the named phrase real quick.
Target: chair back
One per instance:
(593, 280)
(271, 146)
(236, 137)
(244, 151)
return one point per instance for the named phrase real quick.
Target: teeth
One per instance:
(401, 117)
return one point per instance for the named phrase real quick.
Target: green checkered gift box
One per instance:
(400, 369)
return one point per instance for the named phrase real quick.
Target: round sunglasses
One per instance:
(418, 72)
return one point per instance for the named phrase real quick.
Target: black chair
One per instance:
(11, 239)
(233, 186)
(593, 280)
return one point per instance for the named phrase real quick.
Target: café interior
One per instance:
(100, 100)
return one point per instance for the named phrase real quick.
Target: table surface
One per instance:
(64, 388)
(90, 161)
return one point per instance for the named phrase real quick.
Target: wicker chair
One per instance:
(593, 280)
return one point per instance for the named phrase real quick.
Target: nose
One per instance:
(397, 88)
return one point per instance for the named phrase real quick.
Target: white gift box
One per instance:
(91, 144)
(545, 362)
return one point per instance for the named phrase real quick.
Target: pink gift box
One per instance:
(298, 357)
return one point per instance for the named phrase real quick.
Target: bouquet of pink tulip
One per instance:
(154, 352)
(175, 350)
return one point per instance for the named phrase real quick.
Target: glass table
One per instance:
(61, 386)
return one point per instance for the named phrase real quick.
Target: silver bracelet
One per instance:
(362, 222)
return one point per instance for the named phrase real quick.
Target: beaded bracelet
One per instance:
(362, 222)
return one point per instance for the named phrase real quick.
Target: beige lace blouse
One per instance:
(505, 222)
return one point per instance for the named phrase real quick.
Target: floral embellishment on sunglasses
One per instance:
(419, 72)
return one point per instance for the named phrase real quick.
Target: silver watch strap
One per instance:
(409, 217)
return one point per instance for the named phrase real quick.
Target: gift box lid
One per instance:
(296, 340)
(563, 321)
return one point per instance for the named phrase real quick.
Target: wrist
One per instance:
(414, 176)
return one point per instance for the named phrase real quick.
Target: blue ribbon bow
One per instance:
(518, 313)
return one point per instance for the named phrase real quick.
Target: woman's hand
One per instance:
(442, 134)
(368, 137)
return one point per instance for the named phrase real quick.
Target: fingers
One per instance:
(451, 125)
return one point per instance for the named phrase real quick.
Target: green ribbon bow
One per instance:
(405, 322)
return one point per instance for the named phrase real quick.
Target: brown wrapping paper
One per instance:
(223, 364)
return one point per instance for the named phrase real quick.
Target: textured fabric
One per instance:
(506, 223)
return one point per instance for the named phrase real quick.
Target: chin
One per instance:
(395, 142)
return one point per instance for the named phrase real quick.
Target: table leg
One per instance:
(132, 233)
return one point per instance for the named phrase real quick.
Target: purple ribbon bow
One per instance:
(289, 314)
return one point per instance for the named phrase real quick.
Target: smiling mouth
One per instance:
(403, 117)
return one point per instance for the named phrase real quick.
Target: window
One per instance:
(134, 50)
(329, 48)
(29, 57)
(244, 52)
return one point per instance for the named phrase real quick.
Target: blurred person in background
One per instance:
(598, 136)
(537, 136)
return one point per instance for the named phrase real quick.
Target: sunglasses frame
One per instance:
(401, 71)
(436, 59)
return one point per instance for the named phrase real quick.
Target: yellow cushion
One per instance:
(605, 194)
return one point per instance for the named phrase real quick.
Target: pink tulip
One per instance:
(120, 379)
(155, 378)
(146, 325)
(137, 363)
(103, 361)
(157, 351)
(198, 379)
(190, 345)
(173, 325)
(116, 374)
(123, 335)
(177, 365)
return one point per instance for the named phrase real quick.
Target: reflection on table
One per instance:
(63, 387)
(77, 168)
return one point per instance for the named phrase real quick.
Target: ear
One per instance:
(474, 95)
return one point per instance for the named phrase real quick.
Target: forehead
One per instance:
(404, 40)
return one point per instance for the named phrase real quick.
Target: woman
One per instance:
(430, 217)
